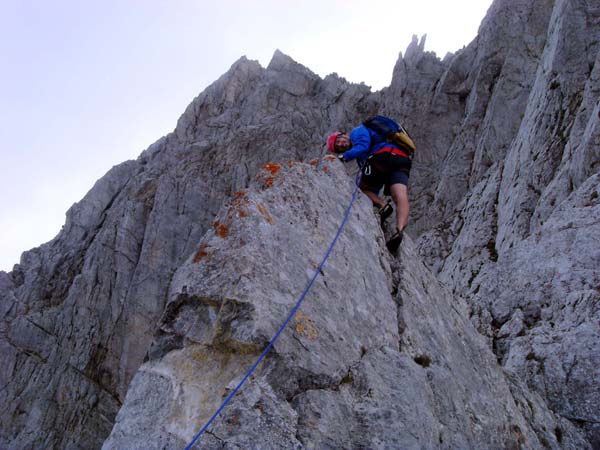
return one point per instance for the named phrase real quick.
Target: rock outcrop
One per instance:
(79, 313)
(365, 364)
(174, 271)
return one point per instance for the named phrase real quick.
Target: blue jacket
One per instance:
(365, 142)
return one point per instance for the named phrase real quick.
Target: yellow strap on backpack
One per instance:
(403, 141)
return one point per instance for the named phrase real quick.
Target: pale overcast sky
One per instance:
(88, 84)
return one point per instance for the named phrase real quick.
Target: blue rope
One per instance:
(290, 316)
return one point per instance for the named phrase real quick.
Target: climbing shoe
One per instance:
(385, 212)
(395, 241)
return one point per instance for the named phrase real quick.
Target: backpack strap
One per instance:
(393, 151)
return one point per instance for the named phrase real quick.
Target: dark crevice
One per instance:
(99, 385)
(28, 352)
(224, 444)
(491, 248)
(581, 422)
(395, 293)
(303, 381)
(310, 382)
(498, 345)
(423, 360)
(559, 434)
(38, 326)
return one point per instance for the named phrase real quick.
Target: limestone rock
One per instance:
(364, 364)
(179, 266)
(535, 144)
(79, 313)
(545, 307)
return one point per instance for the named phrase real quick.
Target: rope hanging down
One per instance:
(290, 316)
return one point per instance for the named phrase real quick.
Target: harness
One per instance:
(392, 150)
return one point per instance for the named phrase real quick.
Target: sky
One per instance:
(86, 85)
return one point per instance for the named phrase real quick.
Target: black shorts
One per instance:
(386, 169)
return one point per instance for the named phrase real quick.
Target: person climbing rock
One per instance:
(384, 164)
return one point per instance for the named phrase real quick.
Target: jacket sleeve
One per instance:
(361, 143)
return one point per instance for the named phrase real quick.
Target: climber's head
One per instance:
(339, 142)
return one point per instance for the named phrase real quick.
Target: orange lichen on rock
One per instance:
(325, 169)
(263, 210)
(272, 168)
(305, 327)
(240, 195)
(330, 158)
(201, 254)
(221, 229)
(240, 200)
(314, 162)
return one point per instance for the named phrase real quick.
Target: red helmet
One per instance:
(331, 141)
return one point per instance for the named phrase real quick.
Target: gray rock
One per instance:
(548, 149)
(81, 310)
(544, 304)
(364, 364)
(172, 268)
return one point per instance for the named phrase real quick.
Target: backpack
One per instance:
(392, 132)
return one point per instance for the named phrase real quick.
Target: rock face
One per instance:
(365, 364)
(174, 271)
(514, 214)
(79, 313)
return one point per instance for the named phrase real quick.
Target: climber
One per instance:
(383, 164)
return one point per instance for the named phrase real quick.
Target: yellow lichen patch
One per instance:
(263, 210)
(305, 327)
(198, 355)
(201, 254)
(197, 398)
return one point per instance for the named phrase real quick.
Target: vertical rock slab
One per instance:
(554, 103)
(529, 151)
(544, 303)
